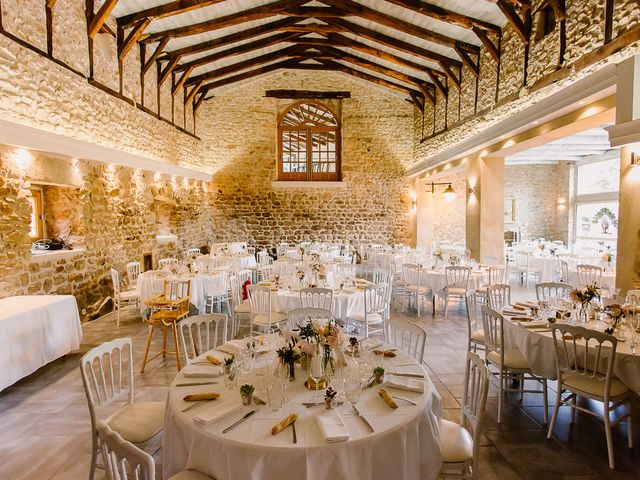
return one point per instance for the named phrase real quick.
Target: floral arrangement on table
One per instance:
(277, 281)
(325, 335)
(454, 260)
(584, 298)
(615, 312)
(289, 354)
(330, 398)
(301, 250)
(438, 255)
(225, 248)
(542, 246)
(553, 251)
(300, 274)
(173, 268)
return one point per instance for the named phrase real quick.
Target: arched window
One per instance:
(309, 144)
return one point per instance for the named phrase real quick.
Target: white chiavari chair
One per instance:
(524, 269)
(509, 362)
(123, 460)
(499, 296)
(167, 262)
(408, 337)
(107, 377)
(217, 291)
(460, 447)
(200, 333)
(589, 275)
(457, 285)
(122, 298)
(262, 315)
(300, 316)
(584, 365)
(240, 309)
(553, 290)
(475, 331)
(412, 287)
(316, 298)
(133, 272)
(371, 319)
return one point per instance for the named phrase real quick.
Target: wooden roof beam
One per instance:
(493, 49)
(417, 101)
(404, 47)
(315, 12)
(101, 16)
(320, 28)
(164, 10)
(514, 19)
(132, 38)
(256, 13)
(234, 37)
(193, 92)
(154, 56)
(164, 74)
(180, 82)
(468, 61)
(240, 49)
(397, 24)
(444, 15)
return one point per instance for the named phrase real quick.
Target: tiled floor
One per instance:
(44, 421)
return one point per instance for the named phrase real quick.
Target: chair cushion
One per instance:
(138, 422)
(129, 295)
(455, 442)
(372, 318)
(242, 308)
(190, 475)
(264, 319)
(512, 359)
(455, 291)
(592, 386)
(478, 335)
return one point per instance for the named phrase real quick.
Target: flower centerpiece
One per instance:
(553, 251)
(323, 337)
(454, 260)
(330, 398)
(584, 298)
(438, 255)
(289, 354)
(615, 312)
(300, 274)
(607, 257)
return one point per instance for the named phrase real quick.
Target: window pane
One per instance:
(599, 177)
(597, 221)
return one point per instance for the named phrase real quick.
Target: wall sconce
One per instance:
(471, 191)
(449, 193)
(562, 203)
(635, 159)
(22, 158)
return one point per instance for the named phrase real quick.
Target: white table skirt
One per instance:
(35, 330)
(345, 303)
(150, 285)
(405, 443)
(545, 266)
(437, 280)
(243, 261)
(537, 349)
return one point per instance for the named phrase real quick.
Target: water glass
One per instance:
(231, 377)
(352, 387)
(276, 394)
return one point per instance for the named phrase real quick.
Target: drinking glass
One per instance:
(276, 393)
(352, 387)
(316, 372)
(231, 377)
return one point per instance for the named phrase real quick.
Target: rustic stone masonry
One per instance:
(372, 206)
(449, 219)
(118, 212)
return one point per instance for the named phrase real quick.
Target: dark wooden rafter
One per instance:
(256, 13)
(183, 78)
(491, 47)
(294, 94)
(233, 38)
(164, 73)
(49, 21)
(315, 12)
(608, 20)
(252, 62)
(155, 55)
(192, 93)
(320, 28)
(468, 61)
(451, 75)
(100, 17)
(392, 42)
(417, 101)
(438, 84)
(519, 25)
(427, 94)
(198, 102)
(240, 49)
(397, 24)
(132, 38)
(165, 10)
(51, 3)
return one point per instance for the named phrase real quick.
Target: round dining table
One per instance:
(437, 279)
(535, 342)
(404, 442)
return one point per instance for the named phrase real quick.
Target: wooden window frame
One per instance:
(309, 175)
(36, 193)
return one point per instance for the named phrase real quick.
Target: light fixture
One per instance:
(635, 159)
(449, 193)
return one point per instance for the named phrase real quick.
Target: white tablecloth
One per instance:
(345, 303)
(150, 285)
(608, 279)
(35, 330)
(404, 445)
(537, 349)
(437, 280)
(546, 266)
(243, 261)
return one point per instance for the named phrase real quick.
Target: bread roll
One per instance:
(284, 423)
(387, 398)
(197, 397)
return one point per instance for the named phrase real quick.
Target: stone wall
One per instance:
(117, 206)
(449, 218)
(377, 145)
(63, 213)
(536, 190)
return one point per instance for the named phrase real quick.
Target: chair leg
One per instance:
(574, 410)
(500, 393)
(146, 351)
(630, 424)
(175, 339)
(446, 305)
(94, 455)
(545, 400)
(164, 342)
(556, 408)
(607, 431)
(418, 302)
(117, 307)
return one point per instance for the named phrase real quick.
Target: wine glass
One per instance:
(316, 372)
(352, 387)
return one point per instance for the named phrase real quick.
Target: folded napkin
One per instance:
(201, 371)
(404, 383)
(519, 307)
(218, 410)
(332, 427)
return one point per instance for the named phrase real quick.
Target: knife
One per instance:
(234, 425)
(194, 384)
(412, 375)
(366, 422)
(295, 436)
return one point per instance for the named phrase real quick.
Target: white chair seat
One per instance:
(276, 317)
(455, 442)
(372, 318)
(513, 359)
(190, 475)
(456, 291)
(421, 290)
(129, 295)
(138, 422)
(478, 336)
(593, 386)
(243, 308)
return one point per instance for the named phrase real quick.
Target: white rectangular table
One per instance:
(35, 330)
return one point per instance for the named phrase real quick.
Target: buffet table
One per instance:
(35, 330)
(404, 444)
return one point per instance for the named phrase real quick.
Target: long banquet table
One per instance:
(405, 443)
(35, 330)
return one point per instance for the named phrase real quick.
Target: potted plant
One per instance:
(246, 392)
